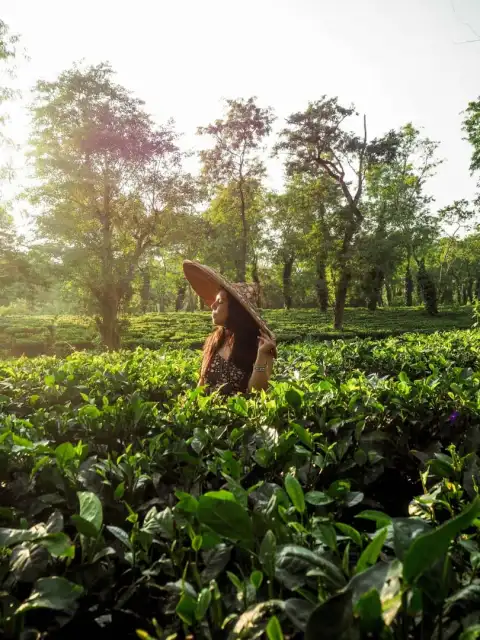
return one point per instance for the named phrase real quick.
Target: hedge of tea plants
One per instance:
(39, 335)
(342, 503)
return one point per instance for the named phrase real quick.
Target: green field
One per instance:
(30, 335)
(344, 499)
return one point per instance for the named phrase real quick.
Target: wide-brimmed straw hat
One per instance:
(207, 283)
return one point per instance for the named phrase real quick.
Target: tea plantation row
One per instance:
(37, 335)
(343, 503)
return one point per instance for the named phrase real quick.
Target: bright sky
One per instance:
(397, 60)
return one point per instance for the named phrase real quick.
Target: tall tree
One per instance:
(302, 221)
(233, 162)
(396, 198)
(110, 184)
(457, 217)
(316, 143)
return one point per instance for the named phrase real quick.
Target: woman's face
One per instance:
(220, 308)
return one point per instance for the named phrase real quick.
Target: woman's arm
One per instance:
(262, 369)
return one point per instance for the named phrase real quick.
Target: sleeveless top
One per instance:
(226, 377)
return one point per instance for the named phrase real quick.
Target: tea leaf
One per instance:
(372, 551)
(225, 517)
(430, 547)
(52, 593)
(91, 509)
(295, 493)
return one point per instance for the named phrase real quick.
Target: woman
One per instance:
(238, 356)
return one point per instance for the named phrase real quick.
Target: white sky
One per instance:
(397, 60)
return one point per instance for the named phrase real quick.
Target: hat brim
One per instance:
(207, 283)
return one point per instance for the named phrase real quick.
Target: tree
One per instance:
(397, 204)
(316, 144)
(459, 217)
(233, 163)
(301, 222)
(284, 211)
(111, 185)
(14, 266)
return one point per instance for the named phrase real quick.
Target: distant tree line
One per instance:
(116, 211)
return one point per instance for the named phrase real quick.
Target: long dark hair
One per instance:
(240, 331)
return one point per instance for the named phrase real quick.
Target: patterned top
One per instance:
(226, 377)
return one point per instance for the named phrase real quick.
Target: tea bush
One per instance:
(37, 335)
(343, 503)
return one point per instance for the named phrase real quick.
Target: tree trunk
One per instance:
(447, 296)
(108, 324)
(459, 293)
(180, 296)
(344, 276)
(108, 294)
(477, 288)
(374, 288)
(470, 290)
(341, 297)
(146, 289)
(241, 262)
(255, 276)
(427, 288)
(287, 280)
(388, 289)
(321, 284)
(408, 287)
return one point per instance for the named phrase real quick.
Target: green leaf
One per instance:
(28, 562)
(58, 545)
(49, 380)
(55, 522)
(203, 602)
(256, 579)
(295, 493)
(318, 498)
(268, 549)
(90, 411)
(293, 563)
(52, 593)
(120, 491)
(64, 452)
(186, 502)
(430, 547)
(121, 535)
(215, 562)
(304, 436)
(326, 534)
(369, 609)
(84, 527)
(225, 517)
(166, 523)
(353, 498)
(10, 537)
(372, 551)
(350, 532)
(91, 509)
(379, 517)
(274, 629)
(472, 633)
(186, 609)
(373, 578)
(197, 543)
(293, 398)
(331, 619)
(235, 580)
(405, 530)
